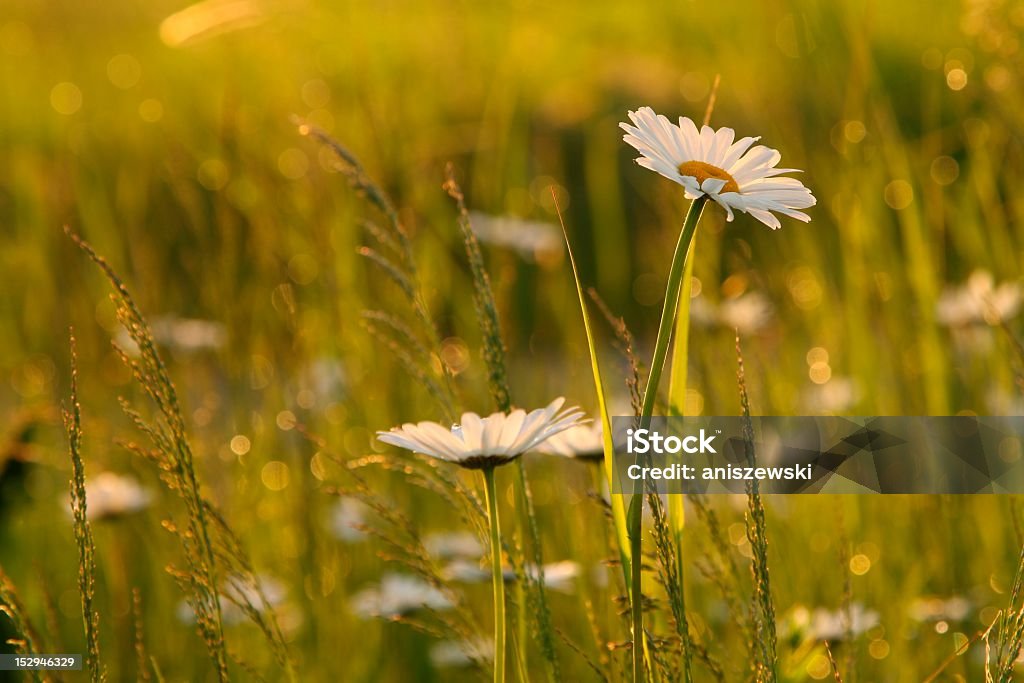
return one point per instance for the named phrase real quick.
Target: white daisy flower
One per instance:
(482, 442)
(464, 653)
(188, 335)
(109, 495)
(558, 576)
(462, 570)
(734, 173)
(237, 595)
(452, 544)
(347, 519)
(749, 313)
(837, 395)
(533, 240)
(584, 442)
(830, 625)
(935, 608)
(979, 300)
(398, 595)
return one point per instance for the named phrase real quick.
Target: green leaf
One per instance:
(617, 502)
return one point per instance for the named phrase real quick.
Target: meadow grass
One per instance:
(343, 316)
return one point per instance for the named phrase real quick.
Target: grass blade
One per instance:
(617, 502)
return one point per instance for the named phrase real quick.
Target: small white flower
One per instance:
(398, 595)
(584, 442)
(452, 544)
(239, 593)
(347, 518)
(748, 313)
(457, 654)
(934, 608)
(979, 300)
(188, 335)
(462, 570)
(533, 240)
(830, 625)
(734, 173)
(558, 576)
(1003, 402)
(325, 377)
(109, 495)
(479, 442)
(837, 395)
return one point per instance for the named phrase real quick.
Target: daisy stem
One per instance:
(497, 578)
(635, 516)
(671, 305)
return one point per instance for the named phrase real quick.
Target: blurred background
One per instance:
(163, 133)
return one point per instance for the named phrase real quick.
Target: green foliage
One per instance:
(180, 162)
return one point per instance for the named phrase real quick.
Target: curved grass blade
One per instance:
(617, 502)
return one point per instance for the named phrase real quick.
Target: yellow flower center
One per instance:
(702, 171)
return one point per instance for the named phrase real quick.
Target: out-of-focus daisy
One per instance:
(830, 625)
(239, 594)
(347, 518)
(736, 174)
(558, 576)
(462, 653)
(109, 495)
(584, 442)
(187, 335)
(398, 595)
(837, 395)
(485, 442)
(463, 570)
(533, 240)
(450, 544)
(978, 300)
(748, 313)
(326, 378)
(1003, 402)
(934, 608)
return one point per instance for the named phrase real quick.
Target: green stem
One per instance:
(635, 517)
(671, 305)
(497, 577)
(668, 314)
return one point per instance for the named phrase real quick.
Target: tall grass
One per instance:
(214, 559)
(421, 358)
(27, 641)
(764, 645)
(1004, 638)
(83, 530)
